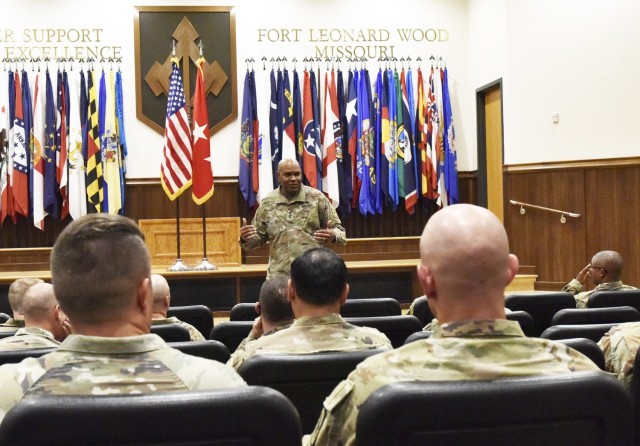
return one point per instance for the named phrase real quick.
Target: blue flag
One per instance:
(316, 119)
(364, 135)
(377, 101)
(122, 139)
(297, 118)
(247, 138)
(352, 137)
(27, 118)
(450, 156)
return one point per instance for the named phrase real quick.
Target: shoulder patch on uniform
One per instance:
(341, 391)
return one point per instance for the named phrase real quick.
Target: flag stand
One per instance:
(178, 266)
(205, 265)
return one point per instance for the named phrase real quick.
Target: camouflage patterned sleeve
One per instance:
(328, 213)
(574, 287)
(337, 422)
(260, 223)
(242, 353)
(12, 379)
(605, 345)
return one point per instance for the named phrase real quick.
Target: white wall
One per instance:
(577, 58)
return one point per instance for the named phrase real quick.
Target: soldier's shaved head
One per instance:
(465, 262)
(611, 261)
(40, 308)
(161, 294)
(17, 291)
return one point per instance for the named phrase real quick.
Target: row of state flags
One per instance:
(186, 158)
(367, 143)
(62, 144)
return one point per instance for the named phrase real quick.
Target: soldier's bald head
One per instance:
(466, 249)
(287, 163)
(39, 303)
(611, 261)
(17, 290)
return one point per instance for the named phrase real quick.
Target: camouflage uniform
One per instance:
(457, 351)
(582, 297)
(29, 337)
(288, 226)
(89, 365)
(619, 346)
(242, 346)
(12, 325)
(312, 335)
(193, 331)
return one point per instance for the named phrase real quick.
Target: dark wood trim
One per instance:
(611, 163)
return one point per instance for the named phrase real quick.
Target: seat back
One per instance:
(417, 336)
(602, 299)
(171, 332)
(541, 306)
(243, 312)
(585, 408)
(572, 316)
(305, 379)
(6, 334)
(231, 333)
(588, 348)
(15, 356)
(241, 416)
(397, 328)
(525, 320)
(589, 331)
(4, 317)
(199, 316)
(422, 311)
(209, 349)
(380, 306)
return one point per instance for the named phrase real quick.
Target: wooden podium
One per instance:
(223, 234)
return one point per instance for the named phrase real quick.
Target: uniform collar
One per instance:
(471, 328)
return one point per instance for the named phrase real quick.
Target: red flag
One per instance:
(310, 135)
(19, 176)
(175, 171)
(202, 182)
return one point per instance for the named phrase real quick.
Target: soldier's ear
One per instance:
(144, 295)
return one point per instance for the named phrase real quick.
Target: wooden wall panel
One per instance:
(145, 199)
(604, 192)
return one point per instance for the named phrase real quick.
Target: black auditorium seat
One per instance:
(6, 334)
(422, 311)
(379, 306)
(525, 320)
(571, 316)
(397, 328)
(588, 348)
(199, 316)
(243, 312)
(209, 349)
(171, 332)
(635, 397)
(231, 333)
(589, 331)
(4, 317)
(584, 408)
(14, 356)
(242, 416)
(601, 299)
(305, 379)
(417, 336)
(541, 306)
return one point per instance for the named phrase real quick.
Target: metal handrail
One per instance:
(563, 219)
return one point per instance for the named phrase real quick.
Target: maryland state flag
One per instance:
(95, 191)
(201, 167)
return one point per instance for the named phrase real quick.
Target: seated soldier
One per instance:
(16, 294)
(100, 270)
(317, 288)
(43, 319)
(161, 304)
(274, 311)
(620, 345)
(465, 268)
(605, 270)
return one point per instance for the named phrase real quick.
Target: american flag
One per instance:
(175, 171)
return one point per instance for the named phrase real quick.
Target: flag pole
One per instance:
(178, 266)
(204, 265)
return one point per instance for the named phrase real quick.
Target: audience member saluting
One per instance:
(100, 270)
(605, 270)
(465, 268)
(293, 219)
